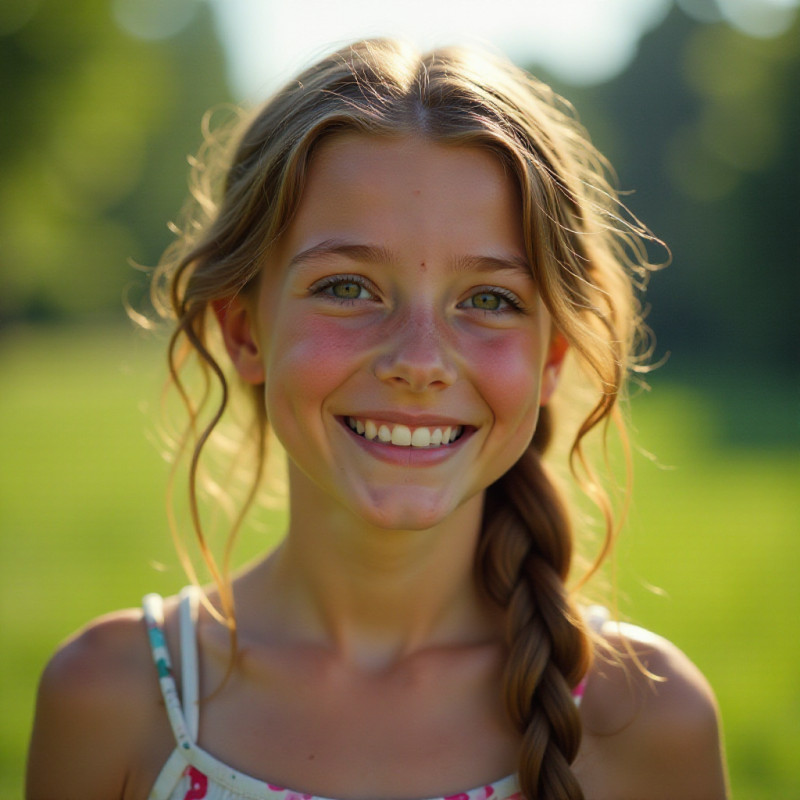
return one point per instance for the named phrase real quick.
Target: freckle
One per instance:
(311, 757)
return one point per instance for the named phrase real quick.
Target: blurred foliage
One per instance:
(102, 103)
(704, 128)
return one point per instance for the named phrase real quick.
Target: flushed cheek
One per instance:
(324, 349)
(507, 372)
(308, 362)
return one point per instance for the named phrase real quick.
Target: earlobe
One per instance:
(552, 369)
(236, 322)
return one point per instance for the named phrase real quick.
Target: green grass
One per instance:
(717, 532)
(82, 531)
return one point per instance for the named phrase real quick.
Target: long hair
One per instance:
(587, 255)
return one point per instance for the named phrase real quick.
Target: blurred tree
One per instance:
(102, 100)
(704, 127)
(101, 106)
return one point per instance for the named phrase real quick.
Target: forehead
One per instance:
(407, 189)
(410, 161)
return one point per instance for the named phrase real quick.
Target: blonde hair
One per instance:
(587, 256)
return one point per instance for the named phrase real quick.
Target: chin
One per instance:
(409, 510)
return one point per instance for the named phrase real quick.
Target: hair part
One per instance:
(588, 258)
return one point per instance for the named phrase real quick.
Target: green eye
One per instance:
(493, 301)
(346, 290)
(486, 301)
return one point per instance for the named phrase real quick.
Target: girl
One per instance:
(403, 254)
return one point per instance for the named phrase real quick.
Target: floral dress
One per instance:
(191, 773)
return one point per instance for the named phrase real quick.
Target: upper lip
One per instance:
(411, 419)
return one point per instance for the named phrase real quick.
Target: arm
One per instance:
(90, 714)
(659, 739)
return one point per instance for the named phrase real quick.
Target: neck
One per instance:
(374, 595)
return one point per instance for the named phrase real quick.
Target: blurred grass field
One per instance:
(717, 529)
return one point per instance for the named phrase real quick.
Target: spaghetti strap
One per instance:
(190, 675)
(153, 607)
(595, 617)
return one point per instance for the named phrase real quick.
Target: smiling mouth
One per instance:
(403, 435)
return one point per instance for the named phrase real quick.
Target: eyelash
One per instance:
(322, 286)
(515, 304)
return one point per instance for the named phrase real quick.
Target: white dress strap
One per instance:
(153, 607)
(190, 674)
(169, 777)
(596, 617)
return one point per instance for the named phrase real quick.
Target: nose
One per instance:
(417, 354)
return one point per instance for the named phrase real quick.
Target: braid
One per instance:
(523, 562)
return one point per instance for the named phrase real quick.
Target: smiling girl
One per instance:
(402, 255)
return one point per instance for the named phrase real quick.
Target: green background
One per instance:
(714, 526)
(95, 128)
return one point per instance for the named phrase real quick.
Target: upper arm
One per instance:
(678, 732)
(665, 739)
(89, 713)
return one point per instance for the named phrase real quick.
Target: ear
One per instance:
(236, 318)
(552, 367)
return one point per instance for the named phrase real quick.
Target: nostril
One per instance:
(418, 380)
(416, 369)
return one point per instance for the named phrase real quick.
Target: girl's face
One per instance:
(402, 342)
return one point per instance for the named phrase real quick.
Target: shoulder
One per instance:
(93, 711)
(652, 716)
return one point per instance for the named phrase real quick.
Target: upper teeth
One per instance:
(402, 435)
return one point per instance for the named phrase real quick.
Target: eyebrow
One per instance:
(336, 247)
(508, 263)
(373, 254)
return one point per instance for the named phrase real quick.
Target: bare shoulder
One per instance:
(651, 718)
(93, 710)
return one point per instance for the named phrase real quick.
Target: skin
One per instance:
(365, 645)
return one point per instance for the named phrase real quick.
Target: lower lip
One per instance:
(407, 456)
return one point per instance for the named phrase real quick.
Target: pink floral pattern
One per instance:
(483, 793)
(199, 788)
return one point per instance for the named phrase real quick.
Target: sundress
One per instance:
(192, 773)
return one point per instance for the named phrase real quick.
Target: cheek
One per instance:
(309, 358)
(507, 370)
